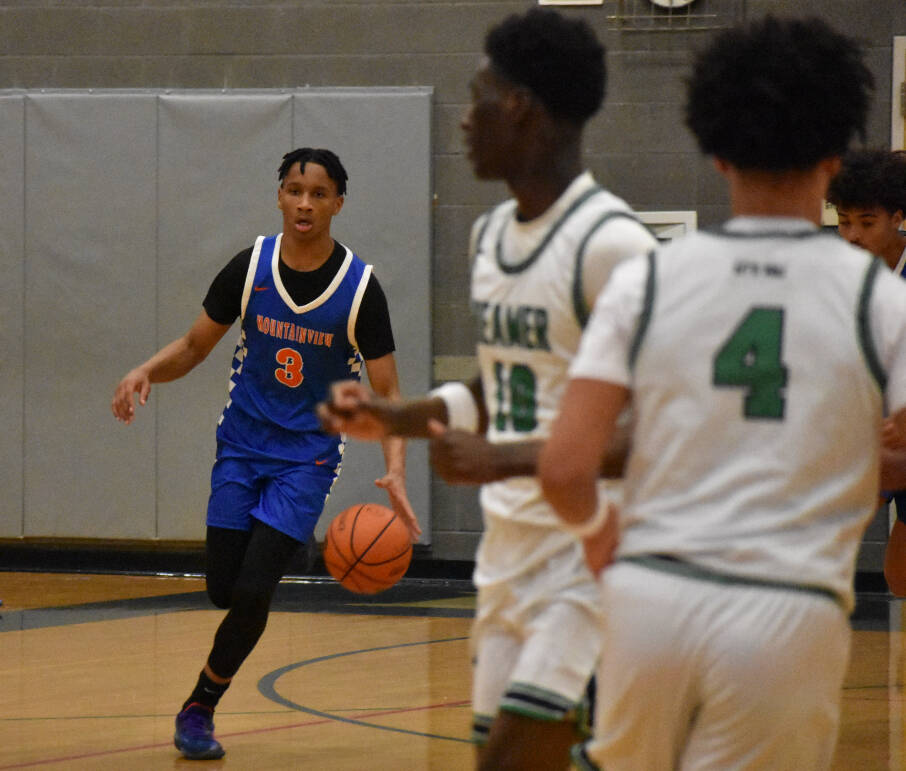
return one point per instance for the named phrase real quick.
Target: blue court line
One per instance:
(267, 688)
(106, 610)
(316, 596)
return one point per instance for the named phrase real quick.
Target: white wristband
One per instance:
(590, 526)
(462, 411)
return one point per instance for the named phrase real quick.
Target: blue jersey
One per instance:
(286, 359)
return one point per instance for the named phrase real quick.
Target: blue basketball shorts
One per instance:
(287, 496)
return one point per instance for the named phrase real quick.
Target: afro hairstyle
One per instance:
(869, 178)
(778, 94)
(559, 60)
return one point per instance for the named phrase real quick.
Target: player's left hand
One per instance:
(892, 434)
(460, 457)
(399, 502)
(601, 547)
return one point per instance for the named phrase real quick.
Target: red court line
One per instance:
(305, 724)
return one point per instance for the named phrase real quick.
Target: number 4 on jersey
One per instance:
(751, 359)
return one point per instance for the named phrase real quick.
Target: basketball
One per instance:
(368, 548)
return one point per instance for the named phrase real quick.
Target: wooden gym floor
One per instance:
(93, 668)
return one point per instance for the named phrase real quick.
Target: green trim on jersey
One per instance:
(864, 325)
(721, 230)
(485, 220)
(537, 703)
(581, 309)
(667, 564)
(645, 315)
(498, 249)
(481, 727)
(580, 758)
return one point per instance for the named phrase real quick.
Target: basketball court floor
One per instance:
(93, 668)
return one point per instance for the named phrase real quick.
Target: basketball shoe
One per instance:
(194, 736)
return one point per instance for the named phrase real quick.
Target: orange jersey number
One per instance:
(291, 373)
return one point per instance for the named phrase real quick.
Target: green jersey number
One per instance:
(751, 358)
(515, 396)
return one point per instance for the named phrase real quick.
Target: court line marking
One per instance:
(29, 619)
(267, 688)
(248, 732)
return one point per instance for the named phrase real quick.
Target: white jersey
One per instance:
(757, 357)
(533, 285)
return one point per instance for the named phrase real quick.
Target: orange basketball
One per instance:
(368, 548)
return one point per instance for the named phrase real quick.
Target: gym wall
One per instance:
(638, 145)
(121, 206)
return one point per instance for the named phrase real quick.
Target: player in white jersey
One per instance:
(869, 193)
(758, 358)
(540, 260)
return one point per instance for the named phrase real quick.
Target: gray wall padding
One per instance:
(12, 301)
(119, 208)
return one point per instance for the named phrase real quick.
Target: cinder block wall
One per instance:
(638, 146)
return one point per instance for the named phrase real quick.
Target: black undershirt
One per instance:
(373, 332)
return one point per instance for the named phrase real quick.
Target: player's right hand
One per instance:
(352, 409)
(600, 548)
(123, 406)
(461, 457)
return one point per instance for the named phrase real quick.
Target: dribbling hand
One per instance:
(399, 502)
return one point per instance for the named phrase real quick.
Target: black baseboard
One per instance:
(871, 583)
(187, 558)
(76, 556)
(175, 558)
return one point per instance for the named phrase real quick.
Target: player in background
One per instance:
(310, 312)
(869, 194)
(758, 358)
(540, 259)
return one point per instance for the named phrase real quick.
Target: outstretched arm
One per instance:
(362, 414)
(383, 377)
(171, 362)
(464, 458)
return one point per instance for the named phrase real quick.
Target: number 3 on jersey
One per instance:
(751, 358)
(291, 373)
(515, 396)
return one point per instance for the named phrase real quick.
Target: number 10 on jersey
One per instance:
(514, 397)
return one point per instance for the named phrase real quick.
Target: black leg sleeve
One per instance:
(224, 555)
(266, 557)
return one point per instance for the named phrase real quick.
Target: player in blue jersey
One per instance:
(869, 194)
(310, 313)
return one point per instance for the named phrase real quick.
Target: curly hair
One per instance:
(559, 60)
(778, 94)
(869, 178)
(326, 158)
